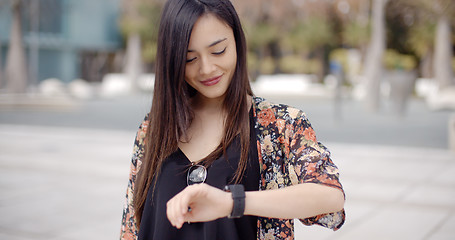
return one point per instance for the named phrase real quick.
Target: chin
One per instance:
(217, 93)
(213, 96)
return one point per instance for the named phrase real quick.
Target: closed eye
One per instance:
(190, 60)
(214, 53)
(220, 52)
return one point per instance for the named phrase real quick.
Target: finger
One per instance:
(185, 202)
(169, 212)
(178, 212)
(184, 206)
(177, 207)
(193, 201)
(189, 217)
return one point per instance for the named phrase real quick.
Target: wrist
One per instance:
(229, 203)
(238, 200)
(250, 205)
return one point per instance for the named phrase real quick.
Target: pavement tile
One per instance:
(445, 176)
(374, 189)
(63, 209)
(441, 236)
(436, 195)
(446, 231)
(356, 213)
(69, 184)
(390, 163)
(107, 229)
(17, 186)
(20, 236)
(397, 222)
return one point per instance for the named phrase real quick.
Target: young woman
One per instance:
(213, 161)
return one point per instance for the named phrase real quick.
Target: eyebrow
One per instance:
(211, 44)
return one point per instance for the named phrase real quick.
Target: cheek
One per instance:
(188, 74)
(233, 67)
(232, 61)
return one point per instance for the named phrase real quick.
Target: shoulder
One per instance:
(265, 108)
(142, 131)
(140, 142)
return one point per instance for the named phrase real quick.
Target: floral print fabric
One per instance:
(129, 229)
(288, 154)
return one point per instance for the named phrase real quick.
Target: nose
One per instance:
(206, 66)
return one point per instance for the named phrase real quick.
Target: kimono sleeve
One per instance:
(314, 165)
(129, 229)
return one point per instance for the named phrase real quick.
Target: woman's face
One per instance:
(211, 57)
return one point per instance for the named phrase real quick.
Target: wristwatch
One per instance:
(238, 195)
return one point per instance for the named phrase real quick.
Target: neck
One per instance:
(201, 103)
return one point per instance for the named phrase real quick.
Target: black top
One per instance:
(172, 180)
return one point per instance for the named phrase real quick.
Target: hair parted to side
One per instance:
(171, 113)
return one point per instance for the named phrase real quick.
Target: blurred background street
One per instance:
(64, 172)
(348, 123)
(375, 78)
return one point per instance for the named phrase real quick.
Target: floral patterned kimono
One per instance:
(288, 154)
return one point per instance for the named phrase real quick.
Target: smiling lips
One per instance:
(211, 81)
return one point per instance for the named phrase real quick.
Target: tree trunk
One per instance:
(443, 53)
(426, 65)
(373, 66)
(321, 72)
(16, 70)
(275, 51)
(1, 72)
(133, 64)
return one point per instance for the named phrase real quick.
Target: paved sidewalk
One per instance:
(68, 183)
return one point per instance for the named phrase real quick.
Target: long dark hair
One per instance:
(171, 113)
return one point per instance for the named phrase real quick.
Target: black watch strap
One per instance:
(238, 195)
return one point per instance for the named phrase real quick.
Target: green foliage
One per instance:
(340, 55)
(310, 35)
(144, 21)
(263, 66)
(253, 64)
(297, 64)
(149, 51)
(299, 38)
(266, 65)
(252, 61)
(260, 35)
(356, 33)
(152, 13)
(394, 60)
(292, 64)
(421, 37)
(434, 8)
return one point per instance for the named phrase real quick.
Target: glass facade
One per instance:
(57, 33)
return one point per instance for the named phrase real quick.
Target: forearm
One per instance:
(299, 201)
(208, 203)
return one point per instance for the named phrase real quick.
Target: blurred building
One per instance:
(65, 39)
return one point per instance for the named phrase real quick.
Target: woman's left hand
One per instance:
(207, 203)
